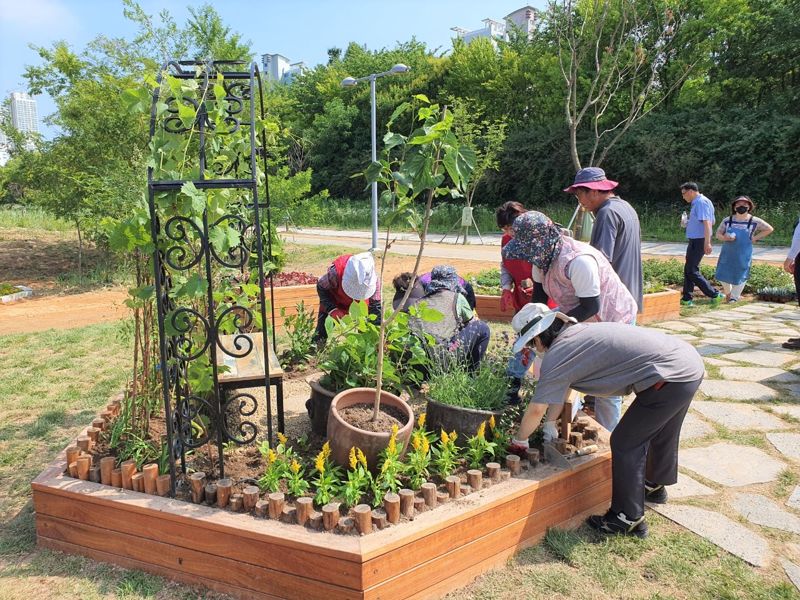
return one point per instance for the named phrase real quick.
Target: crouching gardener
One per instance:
(350, 278)
(607, 359)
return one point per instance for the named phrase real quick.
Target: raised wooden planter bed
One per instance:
(246, 557)
(659, 306)
(289, 297)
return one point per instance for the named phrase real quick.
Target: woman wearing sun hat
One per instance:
(606, 359)
(350, 278)
(578, 278)
(738, 231)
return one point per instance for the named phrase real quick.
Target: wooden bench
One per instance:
(248, 371)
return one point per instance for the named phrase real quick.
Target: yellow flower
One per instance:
(326, 450)
(271, 456)
(415, 441)
(282, 439)
(481, 430)
(362, 458)
(453, 435)
(353, 460)
(491, 423)
(421, 421)
(392, 448)
(295, 466)
(319, 463)
(444, 437)
(426, 446)
(394, 430)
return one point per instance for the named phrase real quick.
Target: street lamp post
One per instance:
(350, 82)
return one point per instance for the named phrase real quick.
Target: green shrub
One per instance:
(483, 389)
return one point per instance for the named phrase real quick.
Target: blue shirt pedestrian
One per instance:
(702, 210)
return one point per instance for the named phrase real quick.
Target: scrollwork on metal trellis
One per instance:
(205, 252)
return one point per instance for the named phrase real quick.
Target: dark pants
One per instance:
(645, 444)
(472, 341)
(797, 278)
(695, 250)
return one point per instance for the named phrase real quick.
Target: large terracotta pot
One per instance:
(343, 436)
(465, 421)
(318, 406)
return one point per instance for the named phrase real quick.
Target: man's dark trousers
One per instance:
(695, 250)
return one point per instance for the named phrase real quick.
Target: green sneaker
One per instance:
(716, 300)
(687, 303)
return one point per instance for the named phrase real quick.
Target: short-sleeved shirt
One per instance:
(617, 235)
(612, 359)
(702, 210)
(583, 273)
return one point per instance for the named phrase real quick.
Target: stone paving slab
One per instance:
(731, 464)
(759, 374)
(686, 337)
(736, 390)
(729, 315)
(741, 335)
(776, 347)
(756, 309)
(709, 349)
(794, 500)
(793, 389)
(693, 427)
(705, 324)
(762, 511)
(791, 315)
(688, 487)
(787, 444)
(793, 410)
(726, 343)
(720, 530)
(718, 362)
(792, 572)
(763, 358)
(676, 326)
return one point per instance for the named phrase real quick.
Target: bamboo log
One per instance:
(493, 471)
(128, 469)
(391, 504)
(429, 494)
(513, 464)
(106, 415)
(442, 497)
(84, 464)
(419, 504)
(304, 507)
(93, 433)
(137, 480)
(223, 492)
(106, 466)
(250, 496)
(276, 501)
(287, 514)
(116, 477)
(162, 485)
(94, 474)
(533, 456)
(84, 442)
(315, 520)
(453, 486)
(150, 473)
(261, 508)
(73, 452)
(72, 469)
(407, 502)
(379, 520)
(345, 525)
(198, 482)
(236, 503)
(99, 423)
(475, 479)
(210, 493)
(363, 517)
(330, 515)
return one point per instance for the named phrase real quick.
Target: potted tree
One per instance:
(426, 164)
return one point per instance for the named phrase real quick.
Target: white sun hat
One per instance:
(359, 279)
(533, 319)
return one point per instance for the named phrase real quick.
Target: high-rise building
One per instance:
(23, 113)
(5, 155)
(523, 19)
(278, 68)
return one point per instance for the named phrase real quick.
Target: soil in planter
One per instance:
(360, 416)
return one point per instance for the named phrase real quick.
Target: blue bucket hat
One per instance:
(537, 240)
(593, 178)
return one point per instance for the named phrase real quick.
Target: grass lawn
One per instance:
(52, 383)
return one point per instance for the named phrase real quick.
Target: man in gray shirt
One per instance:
(616, 230)
(607, 359)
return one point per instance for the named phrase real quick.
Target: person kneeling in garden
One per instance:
(350, 278)
(459, 330)
(607, 359)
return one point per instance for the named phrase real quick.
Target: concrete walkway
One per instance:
(487, 248)
(740, 444)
